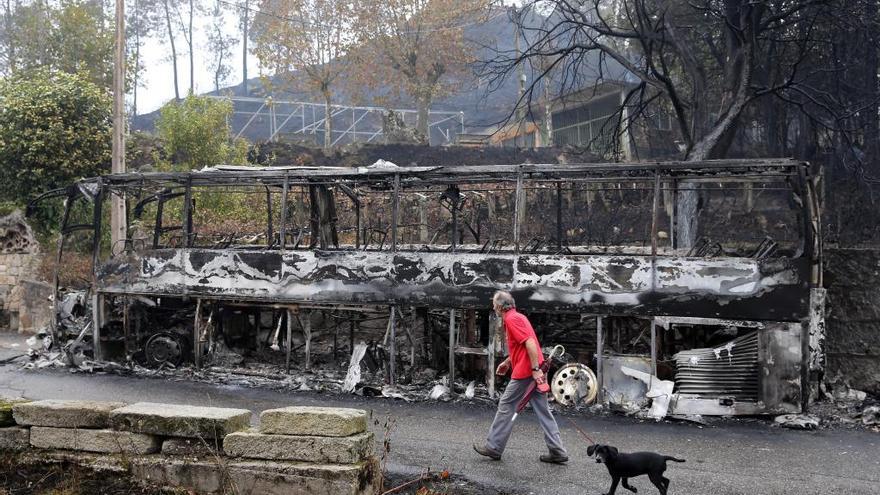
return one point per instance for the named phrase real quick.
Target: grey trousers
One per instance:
(503, 423)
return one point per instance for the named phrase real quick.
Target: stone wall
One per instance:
(23, 307)
(294, 450)
(852, 339)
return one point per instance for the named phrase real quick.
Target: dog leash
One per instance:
(576, 427)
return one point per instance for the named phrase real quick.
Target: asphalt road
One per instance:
(730, 457)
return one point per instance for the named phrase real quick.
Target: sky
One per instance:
(158, 82)
(157, 87)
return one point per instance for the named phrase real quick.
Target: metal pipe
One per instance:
(600, 342)
(653, 346)
(559, 229)
(395, 210)
(270, 231)
(307, 335)
(97, 323)
(96, 228)
(187, 212)
(357, 233)
(674, 188)
(288, 345)
(454, 241)
(654, 213)
(516, 209)
(197, 347)
(157, 230)
(451, 349)
(126, 327)
(392, 352)
(284, 211)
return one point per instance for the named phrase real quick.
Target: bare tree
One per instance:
(169, 32)
(302, 41)
(706, 60)
(143, 21)
(244, 22)
(219, 46)
(415, 46)
(7, 43)
(186, 28)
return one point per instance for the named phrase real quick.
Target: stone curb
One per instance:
(333, 450)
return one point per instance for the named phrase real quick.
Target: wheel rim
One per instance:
(574, 384)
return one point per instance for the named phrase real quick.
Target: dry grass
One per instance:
(18, 478)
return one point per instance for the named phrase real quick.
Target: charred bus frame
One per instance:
(775, 293)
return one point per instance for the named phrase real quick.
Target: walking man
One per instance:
(524, 360)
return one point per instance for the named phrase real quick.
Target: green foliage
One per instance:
(74, 36)
(195, 133)
(55, 128)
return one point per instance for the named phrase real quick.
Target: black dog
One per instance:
(630, 465)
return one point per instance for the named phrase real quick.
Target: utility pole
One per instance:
(118, 220)
(244, 47)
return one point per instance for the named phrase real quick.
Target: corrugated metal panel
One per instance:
(730, 370)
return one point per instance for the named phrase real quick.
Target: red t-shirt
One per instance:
(519, 330)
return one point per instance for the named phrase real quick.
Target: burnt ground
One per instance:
(62, 479)
(18, 478)
(725, 457)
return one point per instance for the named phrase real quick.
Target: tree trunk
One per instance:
(547, 124)
(717, 141)
(328, 121)
(244, 47)
(871, 65)
(192, 70)
(10, 43)
(424, 107)
(137, 58)
(173, 48)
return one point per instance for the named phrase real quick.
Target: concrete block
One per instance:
(334, 450)
(65, 413)
(14, 438)
(175, 420)
(101, 441)
(315, 421)
(6, 418)
(191, 447)
(263, 477)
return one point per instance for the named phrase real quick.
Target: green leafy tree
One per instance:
(55, 127)
(195, 132)
(301, 40)
(69, 35)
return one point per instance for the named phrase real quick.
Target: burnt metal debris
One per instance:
(403, 261)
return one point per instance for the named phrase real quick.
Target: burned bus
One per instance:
(299, 265)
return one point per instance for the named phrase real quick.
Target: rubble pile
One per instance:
(838, 405)
(365, 375)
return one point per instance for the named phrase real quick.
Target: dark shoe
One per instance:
(486, 451)
(554, 458)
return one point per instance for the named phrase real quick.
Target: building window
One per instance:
(593, 124)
